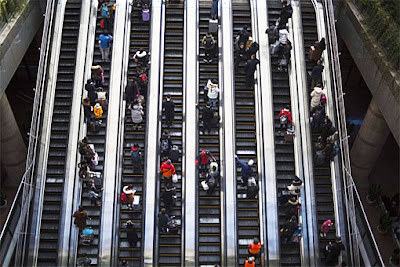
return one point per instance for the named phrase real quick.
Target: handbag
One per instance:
(102, 78)
(174, 178)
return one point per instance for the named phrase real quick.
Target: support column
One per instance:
(368, 144)
(12, 146)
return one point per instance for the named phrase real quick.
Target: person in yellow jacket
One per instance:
(98, 111)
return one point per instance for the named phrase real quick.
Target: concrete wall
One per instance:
(15, 39)
(383, 82)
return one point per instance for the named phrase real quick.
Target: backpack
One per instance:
(124, 198)
(135, 155)
(208, 43)
(164, 145)
(104, 11)
(174, 153)
(335, 151)
(323, 99)
(251, 183)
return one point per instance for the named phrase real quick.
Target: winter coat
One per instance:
(163, 219)
(283, 36)
(96, 72)
(130, 193)
(131, 235)
(250, 66)
(243, 36)
(287, 113)
(207, 115)
(214, 10)
(319, 47)
(167, 170)
(252, 49)
(316, 97)
(203, 158)
(98, 111)
(326, 226)
(286, 13)
(168, 197)
(91, 93)
(316, 73)
(131, 91)
(87, 111)
(136, 113)
(247, 171)
(213, 90)
(169, 108)
(80, 219)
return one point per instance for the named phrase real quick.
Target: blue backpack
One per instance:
(104, 11)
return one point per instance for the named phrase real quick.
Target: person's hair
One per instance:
(256, 241)
(245, 27)
(80, 208)
(338, 239)
(166, 132)
(293, 218)
(135, 101)
(319, 62)
(241, 44)
(214, 168)
(130, 186)
(163, 210)
(214, 81)
(284, 3)
(105, 32)
(253, 55)
(288, 43)
(136, 145)
(208, 105)
(91, 181)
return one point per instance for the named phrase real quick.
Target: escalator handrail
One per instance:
(228, 185)
(153, 126)
(41, 165)
(111, 135)
(74, 238)
(189, 216)
(268, 207)
(309, 189)
(72, 157)
(121, 141)
(341, 116)
(297, 148)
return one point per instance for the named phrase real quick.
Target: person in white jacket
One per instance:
(213, 90)
(316, 96)
(283, 36)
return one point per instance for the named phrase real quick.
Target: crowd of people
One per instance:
(325, 149)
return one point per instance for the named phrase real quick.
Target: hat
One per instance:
(250, 162)
(97, 105)
(168, 161)
(141, 54)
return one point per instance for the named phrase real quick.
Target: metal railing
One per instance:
(349, 186)
(15, 230)
(9, 8)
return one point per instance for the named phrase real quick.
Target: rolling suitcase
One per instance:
(145, 14)
(213, 26)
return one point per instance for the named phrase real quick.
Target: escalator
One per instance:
(322, 174)
(132, 255)
(246, 144)
(169, 250)
(284, 151)
(54, 184)
(98, 140)
(209, 215)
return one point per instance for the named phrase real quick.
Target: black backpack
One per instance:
(208, 43)
(135, 155)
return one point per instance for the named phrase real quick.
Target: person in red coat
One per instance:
(285, 118)
(203, 160)
(167, 169)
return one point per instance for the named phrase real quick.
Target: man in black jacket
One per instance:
(131, 91)
(163, 220)
(316, 75)
(333, 252)
(168, 196)
(89, 87)
(286, 13)
(169, 109)
(249, 70)
(243, 35)
(207, 115)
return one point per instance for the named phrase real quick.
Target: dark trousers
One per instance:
(206, 126)
(249, 81)
(207, 54)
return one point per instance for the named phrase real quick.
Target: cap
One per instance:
(250, 162)
(97, 105)
(168, 161)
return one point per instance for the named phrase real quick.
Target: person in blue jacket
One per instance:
(247, 169)
(105, 41)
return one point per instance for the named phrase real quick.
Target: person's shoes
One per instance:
(204, 60)
(209, 61)
(321, 234)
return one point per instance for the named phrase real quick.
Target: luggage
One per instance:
(319, 158)
(95, 159)
(174, 178)
(283, 62)
(145, 14)
(213, 26)
(289, 137)
(173, 227)
(205, 185)
(95, 126)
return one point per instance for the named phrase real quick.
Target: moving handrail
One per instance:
(228, 185)
(269, 225)
(149, 240)
(337, 89)
(25, 186)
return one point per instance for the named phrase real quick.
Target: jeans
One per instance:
(105, 52)
(212, 102)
